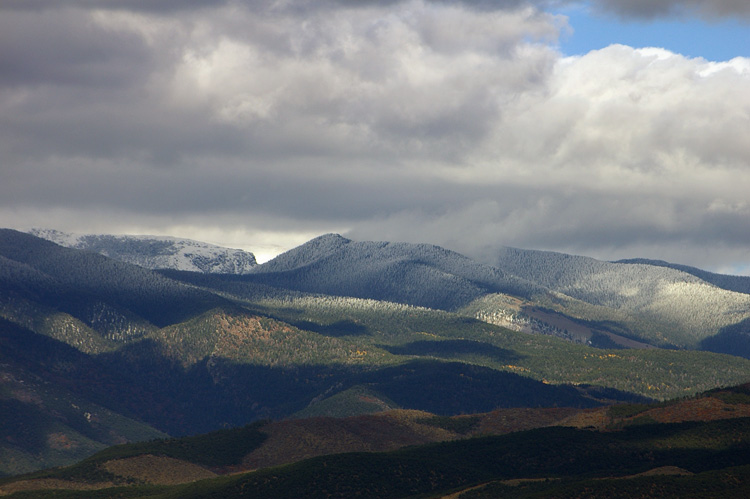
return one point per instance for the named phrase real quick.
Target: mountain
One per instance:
(658, 304)
(44, 423)
(577, 298)
(186, 352)
(153, 252)
(185, 360)
(110, 296)
(416, 274)
(740, 284)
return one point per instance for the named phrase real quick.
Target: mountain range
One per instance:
(653, 304)
(338, 328)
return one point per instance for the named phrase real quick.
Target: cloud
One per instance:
(650, 9)
(130, 87)
(452, 123)
(162, 6)
(623, 152)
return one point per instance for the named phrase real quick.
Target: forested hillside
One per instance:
(45, 421)
(738, 283)
(662, 305)
(417, 274)
(91, 287)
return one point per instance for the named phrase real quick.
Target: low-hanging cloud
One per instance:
(453, 123)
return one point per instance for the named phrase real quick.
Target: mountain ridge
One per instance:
(157, 252)
(740, 284)
(416, 274)
(682, 308)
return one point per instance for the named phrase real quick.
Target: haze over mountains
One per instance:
(336, 327)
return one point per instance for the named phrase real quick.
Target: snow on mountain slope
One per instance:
(738, 283)
(416, 274)
(659, 294)
(155, 252)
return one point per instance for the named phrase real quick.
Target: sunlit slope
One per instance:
(662, 305)
(738, 283)
(386, 332)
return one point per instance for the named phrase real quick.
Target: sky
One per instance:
(610, 128)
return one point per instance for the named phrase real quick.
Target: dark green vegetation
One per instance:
(558, 453)
(44, 422)
(708, 459)
(460, 425)
(186, 353)
(725, 483)
(222, 449)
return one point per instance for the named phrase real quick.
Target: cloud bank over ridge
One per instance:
(459, 124)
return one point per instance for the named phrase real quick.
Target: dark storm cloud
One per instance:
(650, 9)
(640, 9)
(302, 192)
(160, 6)
(478, 4)
(647, 9)
(57, 48)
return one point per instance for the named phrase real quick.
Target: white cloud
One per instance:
(621, 151)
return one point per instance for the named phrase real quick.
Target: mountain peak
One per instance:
(330, 239)
(309, 252)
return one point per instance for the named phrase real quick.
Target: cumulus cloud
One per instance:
(623, 151)
(456, 123)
